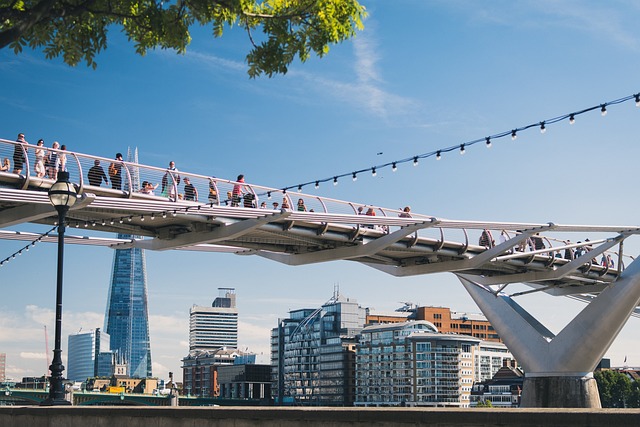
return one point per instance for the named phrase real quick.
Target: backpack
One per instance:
(112, 170)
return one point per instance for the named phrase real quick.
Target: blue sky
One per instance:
(421, 76)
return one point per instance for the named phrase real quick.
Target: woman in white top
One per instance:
(40, 152)
(61, 166)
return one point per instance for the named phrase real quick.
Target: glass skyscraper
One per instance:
(127, 318)
(83, 354)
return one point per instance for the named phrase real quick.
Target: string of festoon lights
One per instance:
(438, 154)
(462, 147)
(26, 248)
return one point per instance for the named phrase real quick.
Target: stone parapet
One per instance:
(310, 417)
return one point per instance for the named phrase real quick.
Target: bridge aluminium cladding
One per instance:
(558, 367)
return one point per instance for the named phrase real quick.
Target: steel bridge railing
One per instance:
(209, 190)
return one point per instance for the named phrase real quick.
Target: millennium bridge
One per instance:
(222, 215)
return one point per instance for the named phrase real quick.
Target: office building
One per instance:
(214, 327)
(83, 354)
(127, 318)
(245, 381)
(312, 354)
(200, 370)
(3, 367)
(447, 321)
(412, 364)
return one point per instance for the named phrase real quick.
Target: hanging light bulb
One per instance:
(438, 155)
(77, 224)
(27, 248)
(284, 191)
(394, 167)
(142, 218)
(543, 128)
(174, 213)
(603, 109)
(488, 142)
(572, 119)
(93, 223)
(415, 161)
(130, 218)
(269, 195)
(637, 95)
(300, 187)
(153, 216)
(335, 180)
(120, 220)
(317, 185)
(111, 221)
(373, 172)
(104, 222)
(354, 177)
(462, 151)
(164, 214)
(513, 135)
(86, 224)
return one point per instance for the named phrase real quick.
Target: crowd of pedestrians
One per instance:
(48, 162)
(536, 243)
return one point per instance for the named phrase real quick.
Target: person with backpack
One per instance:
(115, 172)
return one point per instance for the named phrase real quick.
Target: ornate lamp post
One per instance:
(62, 195)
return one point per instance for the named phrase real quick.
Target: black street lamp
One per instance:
(62, 195)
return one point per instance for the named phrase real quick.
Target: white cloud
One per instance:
(366, 59)
(367, 91)
(40, 315)
(32, 355)
(601, 20)
(209, 60)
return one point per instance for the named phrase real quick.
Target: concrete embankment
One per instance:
(309, 417)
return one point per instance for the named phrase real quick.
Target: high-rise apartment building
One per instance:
(83, 354)
(3, 366)
(127, 318)
(312, 354)
(412, 364)
(214, 327)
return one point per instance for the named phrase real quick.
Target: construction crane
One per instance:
(46, 345)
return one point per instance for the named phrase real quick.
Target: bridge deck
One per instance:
(328, 230)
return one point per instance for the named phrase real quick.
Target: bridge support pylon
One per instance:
(559, 368)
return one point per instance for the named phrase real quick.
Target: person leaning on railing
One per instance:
(190, 192)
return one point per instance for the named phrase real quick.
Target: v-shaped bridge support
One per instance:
(559, 369)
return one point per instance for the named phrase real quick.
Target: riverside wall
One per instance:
(11, 416)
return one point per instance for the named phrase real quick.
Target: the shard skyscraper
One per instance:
(127, 317)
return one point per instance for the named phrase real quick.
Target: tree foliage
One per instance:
(617, 390)
(279, 30)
